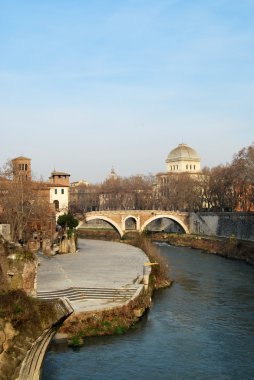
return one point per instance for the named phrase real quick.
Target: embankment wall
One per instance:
(223, 224)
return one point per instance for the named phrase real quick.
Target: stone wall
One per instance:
(5, 231)
(18, 269)
(223, 224)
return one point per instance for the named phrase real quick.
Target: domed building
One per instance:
(183, 159)
(183, 169)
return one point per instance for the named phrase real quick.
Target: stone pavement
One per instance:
(100, 275)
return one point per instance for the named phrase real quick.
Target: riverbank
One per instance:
(118, 319)
(227, 247)
(232, 247)
(109, 285)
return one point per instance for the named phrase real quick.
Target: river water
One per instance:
(200, 328)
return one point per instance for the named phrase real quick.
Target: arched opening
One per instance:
(164, 224)
(130, 224)
(102, 225)
(56, 203)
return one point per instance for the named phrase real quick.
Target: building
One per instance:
(174, 187)
(112, 175)
(59, 184)
(81, 182)
(183, 159)
(21, 167)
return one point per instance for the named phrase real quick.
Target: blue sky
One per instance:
(90, 84)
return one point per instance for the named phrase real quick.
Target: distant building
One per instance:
(112, 175)
(22, 167)
(182, 168)
(183, 159)
(81, 182)
(59, 184)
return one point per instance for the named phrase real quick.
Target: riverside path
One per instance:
(100, 275)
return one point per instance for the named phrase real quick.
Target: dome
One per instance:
(183, 159)
(183, 153)
(112, 175)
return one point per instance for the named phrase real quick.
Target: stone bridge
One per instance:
(223, 224)
(136, 220)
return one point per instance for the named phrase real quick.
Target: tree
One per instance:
(67, 221)
(243, 177)
(24, 205)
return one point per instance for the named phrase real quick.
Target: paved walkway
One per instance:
(102, 274)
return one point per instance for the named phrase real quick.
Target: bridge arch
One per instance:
(168, 216)
(106, 219)
(131, 222)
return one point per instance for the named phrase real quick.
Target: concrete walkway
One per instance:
(99, 270)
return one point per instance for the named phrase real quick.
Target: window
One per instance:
(190, 167)
(25, 166)
(187, 167)
(194, 167)
(55, 191)
(62, 191)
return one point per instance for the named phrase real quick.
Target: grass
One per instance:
(21, 310)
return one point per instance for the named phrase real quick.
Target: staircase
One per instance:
(78, 294)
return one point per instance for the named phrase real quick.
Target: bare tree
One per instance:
(24, 205)
(243, 177)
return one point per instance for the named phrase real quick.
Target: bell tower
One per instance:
(22, 167)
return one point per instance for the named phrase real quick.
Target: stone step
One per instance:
(74, 294)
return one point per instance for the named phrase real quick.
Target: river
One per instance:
(202, 327)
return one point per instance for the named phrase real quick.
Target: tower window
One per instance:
(55, 191)
(62, 191)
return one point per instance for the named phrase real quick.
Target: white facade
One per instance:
(59, 192)
(59, 195)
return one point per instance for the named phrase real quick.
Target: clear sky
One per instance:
(90, 84)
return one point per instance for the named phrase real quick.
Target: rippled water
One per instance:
(200, 328)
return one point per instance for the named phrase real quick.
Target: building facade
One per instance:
(59, 184)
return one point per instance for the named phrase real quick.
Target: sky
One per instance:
(90, 84)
